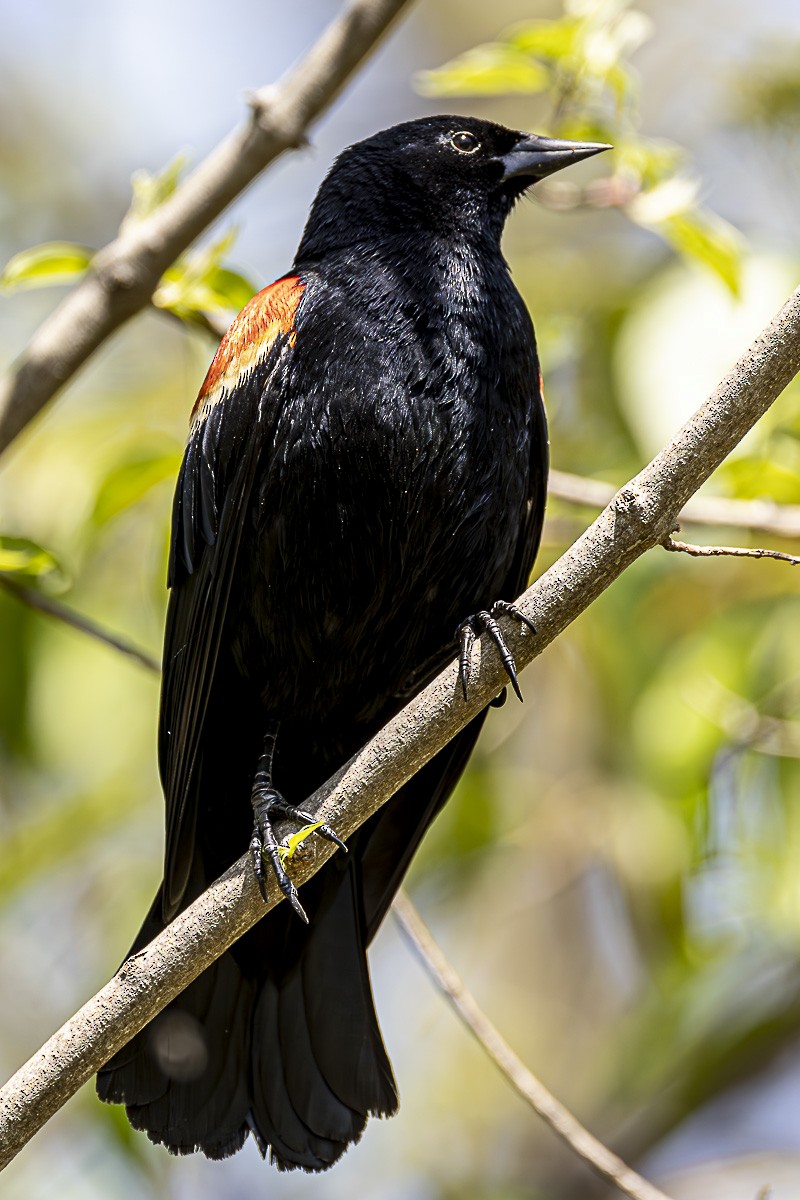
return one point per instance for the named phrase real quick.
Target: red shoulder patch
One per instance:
(271, 312)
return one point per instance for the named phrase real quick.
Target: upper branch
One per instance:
(762, 516)
(641, 515)
(124, 275)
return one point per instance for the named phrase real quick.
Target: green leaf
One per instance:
(150, 191)
(548, 39)
(293, 843)
(706, 238)
(756, 477)
(497, 68)
(647, 161)
(46, 265)
(581, 127)
(671, 210)
(22, 557)
(129, 481)
(231, 289)
(198, 283)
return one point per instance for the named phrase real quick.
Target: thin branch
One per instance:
(670, 543)
(44, 604)
(124, 275)
(762, 516)
(597, 1156)
(640, 516)
(612, 191)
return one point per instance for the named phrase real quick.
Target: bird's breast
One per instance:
(391, 501)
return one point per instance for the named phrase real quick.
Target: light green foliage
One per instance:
(580, 55)
(45, 266)
(198, 285)
(670, 208)
(25, 559)
(139, 469)
(150, 191)
(580, 62)
(489, 70)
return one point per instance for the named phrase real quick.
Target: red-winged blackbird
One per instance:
(366, 472)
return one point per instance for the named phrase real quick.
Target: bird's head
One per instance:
(457, 175)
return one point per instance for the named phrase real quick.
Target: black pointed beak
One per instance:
(534, 157)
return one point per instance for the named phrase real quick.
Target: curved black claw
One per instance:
(268, 803)
(485, 622)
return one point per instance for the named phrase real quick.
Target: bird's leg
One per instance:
(268, 803)
(486, 622)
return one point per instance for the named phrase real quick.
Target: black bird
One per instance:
(365, 473)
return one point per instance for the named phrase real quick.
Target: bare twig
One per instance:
(61, 612)
(640, 516)
(670, 543)
(762, 516)
(542, 1101)
(612, 191)
(124, 275)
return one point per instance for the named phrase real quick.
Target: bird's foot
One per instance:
(486, 622)
(268, 804)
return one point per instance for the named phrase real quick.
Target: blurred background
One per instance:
(641, 810)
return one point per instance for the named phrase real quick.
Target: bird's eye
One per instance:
(465, 143)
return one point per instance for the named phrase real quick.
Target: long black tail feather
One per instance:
(292, 1054)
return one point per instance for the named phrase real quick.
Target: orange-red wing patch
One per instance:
(249, 339)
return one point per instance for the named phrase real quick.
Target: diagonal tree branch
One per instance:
(124, 275)
(606, 1164)
(640, 516)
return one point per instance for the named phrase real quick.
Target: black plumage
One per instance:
(366, 470)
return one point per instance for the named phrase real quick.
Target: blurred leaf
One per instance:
(572, 56)
(709, 240)
(672, 197)
(496, 68)
(231, 289)
(150, 191)
(198, 284)
(752, 478)
(46, 265)
(26, 559)
(132, 479)
(766, 91)
(647, 161)
(695, 233)
(548, 39)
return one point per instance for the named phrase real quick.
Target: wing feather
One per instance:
(231, 431)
